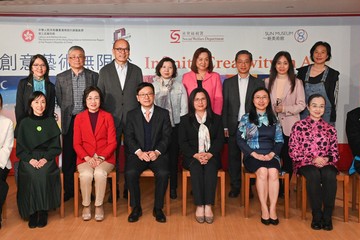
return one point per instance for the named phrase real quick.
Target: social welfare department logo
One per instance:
(175, 36)
(28, 35)
(300, 35)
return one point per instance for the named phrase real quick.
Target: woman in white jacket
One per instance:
(6, 145)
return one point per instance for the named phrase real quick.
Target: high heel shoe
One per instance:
(265, 221)
(200, 219)
(274, 221)
(86, 213)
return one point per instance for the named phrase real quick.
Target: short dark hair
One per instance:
(209, 111)
(90, 89)
(161, 63)
(320, 43)
(243, 52)
(1, 101)
(32, 60)
(196, 56)
(315, 95)
(143, 85)
(32, 97)
(253, 116)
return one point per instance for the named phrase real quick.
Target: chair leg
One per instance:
(247, 187)
(113, 184)
(286, 189)
(358, 185)
(129, 207)
(298, 191)
(76, 194)
(303, 198)
(62, 207)
(4, 211)
(346, 198)
(167, 199)
(222, 180)
(354, 188)
(184, 193)
(242, 192)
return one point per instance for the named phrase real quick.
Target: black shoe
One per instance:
(327, 225)
(173, 194)
(33, 219)
(316, 225)
(265, 221)
(43, 218)
(135, 214)
(234, 193)
(110, 199)
(67, 197)
(274, 221)
(159, 215)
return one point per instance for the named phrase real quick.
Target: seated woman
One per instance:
(201, 138)
(6, 145)
(260, 139)
(37, 145)
(94, 144)
(314, 150)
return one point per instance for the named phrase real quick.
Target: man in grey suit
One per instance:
(118, 81)
(237, 92)
(69, 89)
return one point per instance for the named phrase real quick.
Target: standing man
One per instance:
(69, 89)
(147, 137)
(237, 92)
(118, 81)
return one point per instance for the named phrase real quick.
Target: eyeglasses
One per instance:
(126, 50)
(90, 99)
(200, 100)
(143, 95)
(243, 62)
(39, 65)
(76, 57)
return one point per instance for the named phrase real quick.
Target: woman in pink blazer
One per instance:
(202, 76)
(94, 144)
(288, 98)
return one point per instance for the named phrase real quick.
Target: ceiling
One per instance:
(178, 8)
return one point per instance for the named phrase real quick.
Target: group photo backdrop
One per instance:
(154, 38)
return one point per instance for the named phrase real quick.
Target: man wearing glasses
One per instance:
(69, 88)
(147, 137)
(118, 81)
(237, 92)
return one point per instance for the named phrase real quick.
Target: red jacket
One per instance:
(102, 142)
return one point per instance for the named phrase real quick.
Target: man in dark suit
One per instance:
(237, 92)
(353, 135)
(118, 81)
(147, 137)
(69, 88)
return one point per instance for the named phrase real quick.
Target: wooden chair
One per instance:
(248, 176)
(4, 213)
(221, 175)
(111, 175)
(149, 173)
(301, 189)
(356, 192)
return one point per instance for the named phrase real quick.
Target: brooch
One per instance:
(39, 128)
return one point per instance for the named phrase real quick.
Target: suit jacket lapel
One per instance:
(115, 75)
(128, 73)
(140, 128)
(155, 120)
(99, 123)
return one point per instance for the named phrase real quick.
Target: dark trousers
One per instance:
(203, 180)
(173, 157)
(134, 167)
(234, 159)
(287, 161)
(321, 188)
(69, 160)
(4, 187)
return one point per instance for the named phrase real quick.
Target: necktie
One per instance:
(147, 115)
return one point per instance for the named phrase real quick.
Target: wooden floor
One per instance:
(232, 226)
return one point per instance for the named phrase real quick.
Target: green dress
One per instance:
(38, 189)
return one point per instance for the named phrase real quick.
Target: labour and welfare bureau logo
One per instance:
(175, 36)
(28, 35)
(121, 34)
